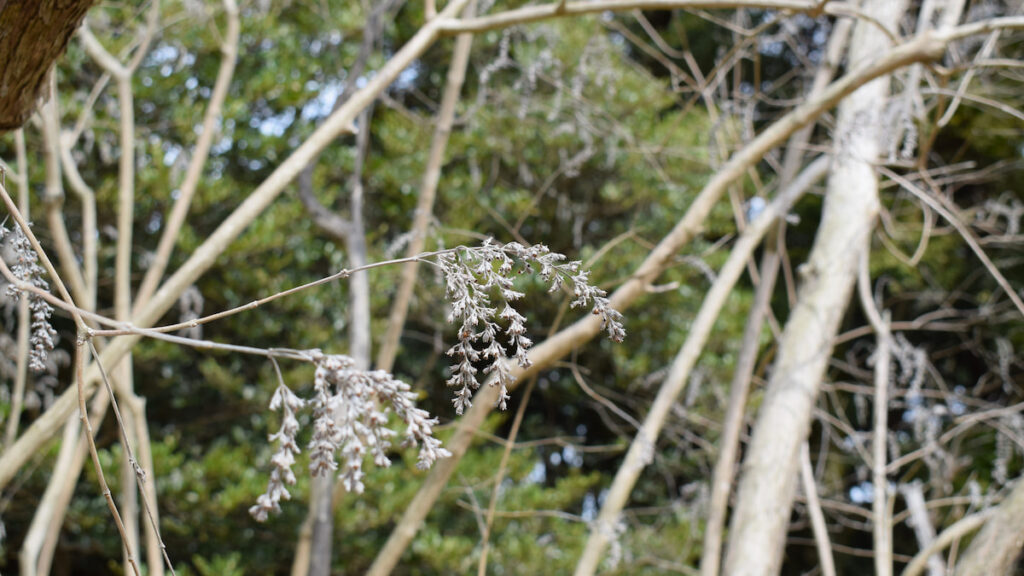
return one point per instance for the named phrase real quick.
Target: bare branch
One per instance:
(821, 539)
(428, 192)
(642, 448)
(947, 210)
(229, 57)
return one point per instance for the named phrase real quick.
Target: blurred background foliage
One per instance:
(567, 134)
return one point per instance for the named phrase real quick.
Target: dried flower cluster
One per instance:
(350, 406)
(473, 277)
(25, 267)
(283, 460)
(350, 416)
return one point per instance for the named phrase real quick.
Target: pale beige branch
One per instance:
(768, 481)
(975, 99)
(948, 211)
(954, 532)
(428, 192)
(986, 51)
(87, 197)
(129, 498)
(924, 531)
(21, 375)
(37, 550)
(210, 129)
(536, 13)
(641, 450)
(724, 473)
(881, 522)
(995, 550)
(54, 197)
(818, 525)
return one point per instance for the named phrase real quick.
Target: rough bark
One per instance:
(768, 484)
(33, 36)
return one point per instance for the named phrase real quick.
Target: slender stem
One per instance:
(89, 236)
(818, 525)
(80, 351)
(536, 13)
(881, 522)
(946, 210)
(492, 506)
(140, 473)
(267, 299)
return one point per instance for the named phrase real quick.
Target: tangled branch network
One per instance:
(351, 407)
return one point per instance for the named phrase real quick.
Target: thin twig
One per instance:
(882, 524)
(946, 210)
(84, 415)
(492, 506)
(818, 525)
(47, 264)
(140, 473)
(21, 375)
(957, 530)
(424, 257)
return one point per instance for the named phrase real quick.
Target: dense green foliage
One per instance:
(568, 136)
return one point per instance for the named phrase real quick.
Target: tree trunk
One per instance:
(33, 36)
(766, 491)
